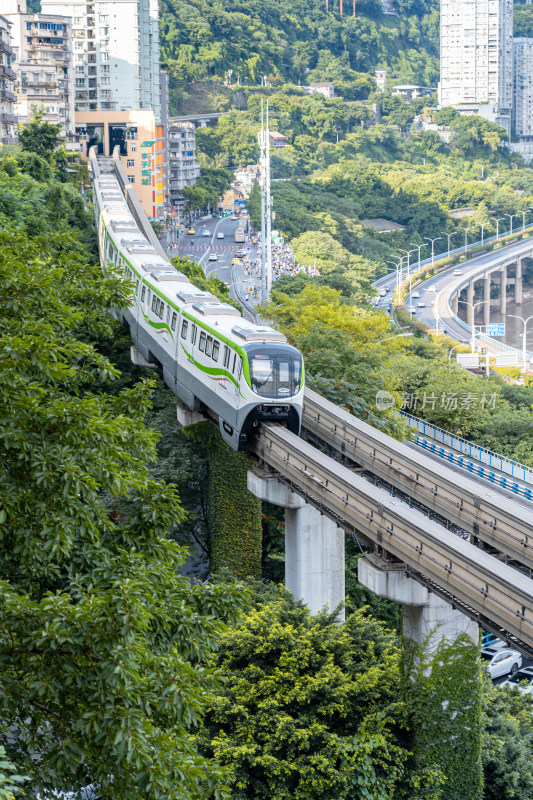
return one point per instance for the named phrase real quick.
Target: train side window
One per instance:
(209, 346)
(239, 368)
(226, 355)
(193, 335)
(154, 301)
(201, 343)
(234, 362)
(168, 314)
(173, 323)
(216, 348)
(184, 326)
(161, 310)
(143, 293)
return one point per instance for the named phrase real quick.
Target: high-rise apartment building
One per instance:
(43, 64)
(8, 120)
(522, 116)
(183, 168)
(116, 53)
(476, 57)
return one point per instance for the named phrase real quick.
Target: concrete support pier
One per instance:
(518, 283)
(314, 546)
(470, 304)
(503, 290)
(486, 298)
(424, 613)
(455, 304)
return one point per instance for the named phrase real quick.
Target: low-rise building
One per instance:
(325, 89)
(278, 139)
(409, 91)
(247, 176)
(183, 168)
(381, 78)
(141, 141)
(44, 66)
(8, 119)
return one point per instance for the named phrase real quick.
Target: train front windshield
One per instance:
(275, 373)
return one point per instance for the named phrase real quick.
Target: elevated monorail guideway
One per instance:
(485, 513)
(476, 582)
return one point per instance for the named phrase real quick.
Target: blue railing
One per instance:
(471, 457)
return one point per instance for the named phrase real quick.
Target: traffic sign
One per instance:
(495, 329)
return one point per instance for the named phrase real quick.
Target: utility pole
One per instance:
(266, 207)
(341, 7)
(354, 8)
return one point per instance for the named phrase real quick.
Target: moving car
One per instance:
(501, 661)
(191, 232)
(212, 257)
(387, 288)
(522, 679)
(415, 294)
(220, 235)
(236, 261)
(432, 289)
(411, 309)
(206, 233)
(457, 272)
(421, 304)
(382, 293)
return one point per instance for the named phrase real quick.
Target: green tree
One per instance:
(40, 137)
(310, 709)
(105, 650)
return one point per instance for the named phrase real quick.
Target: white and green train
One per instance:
(211, 358)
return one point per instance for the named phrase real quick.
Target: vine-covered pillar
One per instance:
(442, 679)
(234, 515)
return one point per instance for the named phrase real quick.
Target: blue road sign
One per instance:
(495, 329)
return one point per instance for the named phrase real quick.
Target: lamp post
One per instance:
(501, 219)
(449, 235)
(524, 217)
(524, 357)
(418, 247)
(436, 239)
(473, 307)
(399, 336)
(461, 343)
(466, 236)
(397, 267)
(511, 217)
(408, 253)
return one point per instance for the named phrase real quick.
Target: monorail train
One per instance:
(210, 356)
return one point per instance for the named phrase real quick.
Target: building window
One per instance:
(104, 55)
(130, 163)
(133, 147)
(131, 178)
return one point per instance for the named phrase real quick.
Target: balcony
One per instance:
(6, 48)
(5, 94)
(7, 72)
(8, 118)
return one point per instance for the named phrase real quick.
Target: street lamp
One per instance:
(466, 236)
(461, 343)
(449, 235)
(524, 357)
(501, 219)
(399, 336)
(408, 253)
(418, 247)
(482, 226)
(511, 217)
(524, 217)
(397, 267)
(473, 307)
(429, 239)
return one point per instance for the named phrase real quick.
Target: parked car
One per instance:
(191, 232)
(220, 235)
(501, 662)
(522, 679)
(212, 257)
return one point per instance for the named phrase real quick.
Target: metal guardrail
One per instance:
(463, 449)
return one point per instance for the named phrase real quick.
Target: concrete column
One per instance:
(425, 616)
(314, 546)
(518, 282)
(486, 297)
(455, 303)
(503, 291)
(470, 304)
